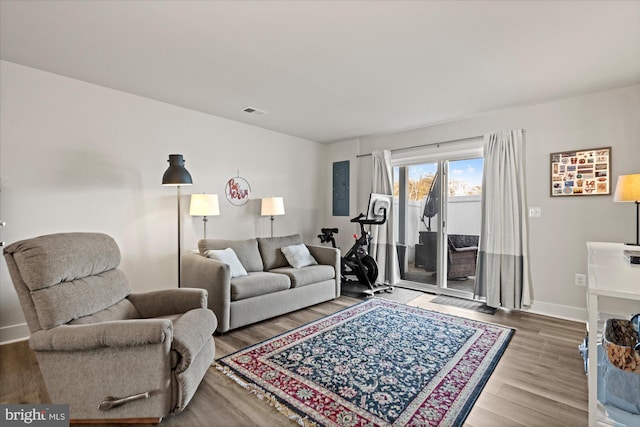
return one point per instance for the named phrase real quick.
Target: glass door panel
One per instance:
(462, 199)
(417, 196)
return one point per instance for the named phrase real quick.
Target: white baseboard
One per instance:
(567, 312)
(14, 333)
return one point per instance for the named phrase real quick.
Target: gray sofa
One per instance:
(271, 288)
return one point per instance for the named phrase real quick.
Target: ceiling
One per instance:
(332, 70)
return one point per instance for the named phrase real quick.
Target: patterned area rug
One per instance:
(375, 363)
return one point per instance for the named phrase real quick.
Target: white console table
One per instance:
(610, 277)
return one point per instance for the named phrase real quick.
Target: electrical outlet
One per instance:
(581, 279)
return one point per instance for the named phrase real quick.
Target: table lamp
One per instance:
(628, 190)
(204, 205)
(272, 206)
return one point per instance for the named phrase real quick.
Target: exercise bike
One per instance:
(357, 261)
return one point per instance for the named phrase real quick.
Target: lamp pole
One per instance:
(179, 243)
(176, 175)
(637, 223)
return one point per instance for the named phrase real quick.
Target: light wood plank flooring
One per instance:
(539, 381)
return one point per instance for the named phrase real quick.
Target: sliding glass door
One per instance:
(438, 222)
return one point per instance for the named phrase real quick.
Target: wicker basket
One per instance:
(619, 341)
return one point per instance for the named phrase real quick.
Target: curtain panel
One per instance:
(503, 275)
(383, 240)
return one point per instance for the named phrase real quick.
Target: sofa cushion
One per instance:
(246, 250)
(298, 256)
(272, 256)
(258, 283)
(229, 257)
(306, 275)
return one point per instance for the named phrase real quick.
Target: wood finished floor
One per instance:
(539, 381)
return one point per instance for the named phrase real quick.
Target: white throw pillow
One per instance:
(229, 257)
(298, 256)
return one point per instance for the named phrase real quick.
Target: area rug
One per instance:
(464, 303)
(375, 363)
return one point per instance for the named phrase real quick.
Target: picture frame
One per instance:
(585, 172)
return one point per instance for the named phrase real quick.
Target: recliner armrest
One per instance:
(190, 332)
(168, 301)
(121, 333)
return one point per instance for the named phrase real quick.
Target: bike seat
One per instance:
(328, 230)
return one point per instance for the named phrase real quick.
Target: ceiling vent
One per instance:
(254, 111)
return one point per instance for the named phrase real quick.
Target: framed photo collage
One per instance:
(581, 172)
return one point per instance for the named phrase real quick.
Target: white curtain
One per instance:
(503, 257)
(383, 240)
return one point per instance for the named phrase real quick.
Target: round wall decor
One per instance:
(238, 191)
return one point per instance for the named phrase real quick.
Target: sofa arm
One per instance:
(325, 255)
(213, 276)
(328, 256)
(168, 301)
(121, 333)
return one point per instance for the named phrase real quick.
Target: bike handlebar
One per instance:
(361, 219)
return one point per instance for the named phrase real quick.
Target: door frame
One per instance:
(442, 157)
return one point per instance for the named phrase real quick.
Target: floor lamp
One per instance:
(272, 206)
(628, 190)
(175, 176)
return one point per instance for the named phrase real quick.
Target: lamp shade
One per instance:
(628, 188)
(204, 205)
(272, 206)
(176, 174)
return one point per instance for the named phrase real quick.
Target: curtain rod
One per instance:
(427, 145)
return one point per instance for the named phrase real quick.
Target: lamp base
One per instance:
(632, 244)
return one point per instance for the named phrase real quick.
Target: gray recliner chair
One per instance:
(106, 352)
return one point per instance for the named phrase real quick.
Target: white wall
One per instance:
(463, 217)
(337, 153)
(557, 239)
(80, 157)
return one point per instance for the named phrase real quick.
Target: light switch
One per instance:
(535, 212)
